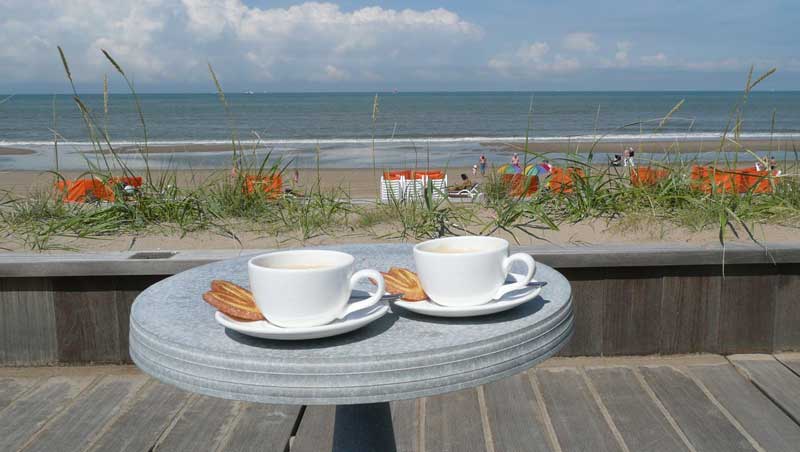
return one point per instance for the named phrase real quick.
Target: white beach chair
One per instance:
(392, 189)
(439, 187)
(415, 189)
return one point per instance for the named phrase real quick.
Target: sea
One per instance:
(340, 130)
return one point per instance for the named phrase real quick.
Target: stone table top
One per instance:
(174, 337)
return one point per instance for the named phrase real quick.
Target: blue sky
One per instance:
(367, 46)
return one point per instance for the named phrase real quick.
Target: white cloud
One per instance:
(581, 42)
(158, 40)
(532, 61)
(623, 48)
(659, 59)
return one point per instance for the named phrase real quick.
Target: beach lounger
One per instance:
(393, 185)
(466, 193)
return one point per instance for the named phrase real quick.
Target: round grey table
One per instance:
(174, 338)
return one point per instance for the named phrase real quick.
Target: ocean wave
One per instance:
(694, 136)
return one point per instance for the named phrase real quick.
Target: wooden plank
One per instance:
(636, 415)
(690, 310)
(11, 388)
(203, 425)
(315, 432)
(632, 314)
(262, 427)
(405, 422)
(453, 422)
(764, 421)
(77, 426)
(747, 306)
(86, 320)
(588, 290)
(577, 420)
(26, 415)
(143, 423)
(126, 289)
(787, 309)
(791, 360)
(515, 417)
(27, 322)
(701, 421)
(778, 382)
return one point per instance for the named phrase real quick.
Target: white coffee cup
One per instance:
(468, 271)
(305, 288)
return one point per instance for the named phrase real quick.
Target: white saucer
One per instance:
(266, 330)
(508, 300)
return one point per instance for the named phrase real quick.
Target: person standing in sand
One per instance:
(482, 164)
(515, 163)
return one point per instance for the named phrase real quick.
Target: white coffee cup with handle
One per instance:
(306, 288)
(469, 270)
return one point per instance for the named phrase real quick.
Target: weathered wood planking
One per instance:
(11, 388)
(747, 306)
(790, 360)
(262, 427)
(453, 423)
(776, 380)
(704, 424)
(690, 302)
(315, 432)
(570, 403)
(764, 421)
(636, 415)
(126, 289)
(405, 421)
(143, 423)
(79, 425)
(632, 313)
(787, 309)
(87, 320)
(203, 425)
(27, 322)
(515, 416)
(588, 302)
(25, 416)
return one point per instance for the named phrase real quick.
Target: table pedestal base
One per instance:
(366, 427)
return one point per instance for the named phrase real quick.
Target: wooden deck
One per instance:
(695, 403)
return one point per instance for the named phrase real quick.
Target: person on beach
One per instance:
(617, 161)
(627, 157)
(759, 166)
(465, 184)
(482, 163)
(515, 163)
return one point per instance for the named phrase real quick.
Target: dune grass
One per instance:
(221, 205)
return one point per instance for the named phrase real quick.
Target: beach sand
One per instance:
(15, 151)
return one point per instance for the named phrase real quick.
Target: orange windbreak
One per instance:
(272, 185)
(519, 185)
(81, 189)
(647, 176)
(561, 181)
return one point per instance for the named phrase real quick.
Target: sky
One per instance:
(259, 45)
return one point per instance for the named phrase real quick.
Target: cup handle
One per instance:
(522, 257)
(375, 276)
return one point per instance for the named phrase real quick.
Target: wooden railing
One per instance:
(629, 300)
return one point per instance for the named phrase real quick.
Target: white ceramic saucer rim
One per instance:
(431, 305)
(264, 327)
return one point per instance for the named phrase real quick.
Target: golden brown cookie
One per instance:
(404, 281)
(233, 301)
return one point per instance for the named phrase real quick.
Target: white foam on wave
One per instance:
(438, 140)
